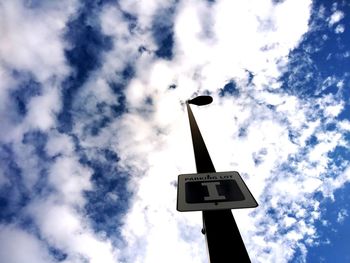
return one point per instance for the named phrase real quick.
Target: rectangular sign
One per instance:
(213, 191)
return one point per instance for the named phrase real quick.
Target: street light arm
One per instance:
(201, 154)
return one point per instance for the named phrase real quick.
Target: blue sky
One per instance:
(94, 130)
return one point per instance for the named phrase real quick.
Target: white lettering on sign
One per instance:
(213, 191)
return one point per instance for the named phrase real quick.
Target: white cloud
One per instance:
(339, 29)
(43, 109)
(59, 144)
(335, 17)
(145, 12)
(69, 180)
(332, 184)
(342, 215)
(32, 44)
(344, 125)
(19, 246)
(32, 38)
(251, 40)
(64, 228)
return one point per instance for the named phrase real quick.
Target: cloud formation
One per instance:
(94, 129)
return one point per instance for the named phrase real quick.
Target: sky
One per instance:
(94, 129)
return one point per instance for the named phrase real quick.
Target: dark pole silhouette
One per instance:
(225, 244)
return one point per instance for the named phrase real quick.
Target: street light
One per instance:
(223, 239)
(201, 100)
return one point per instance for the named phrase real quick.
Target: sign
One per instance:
(213, 191)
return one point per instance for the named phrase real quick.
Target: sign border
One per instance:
(182, 206)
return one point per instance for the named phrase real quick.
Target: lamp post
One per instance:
(223, 239)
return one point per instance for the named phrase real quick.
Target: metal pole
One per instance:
(224, 242)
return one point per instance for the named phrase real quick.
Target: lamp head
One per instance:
(201, 100)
